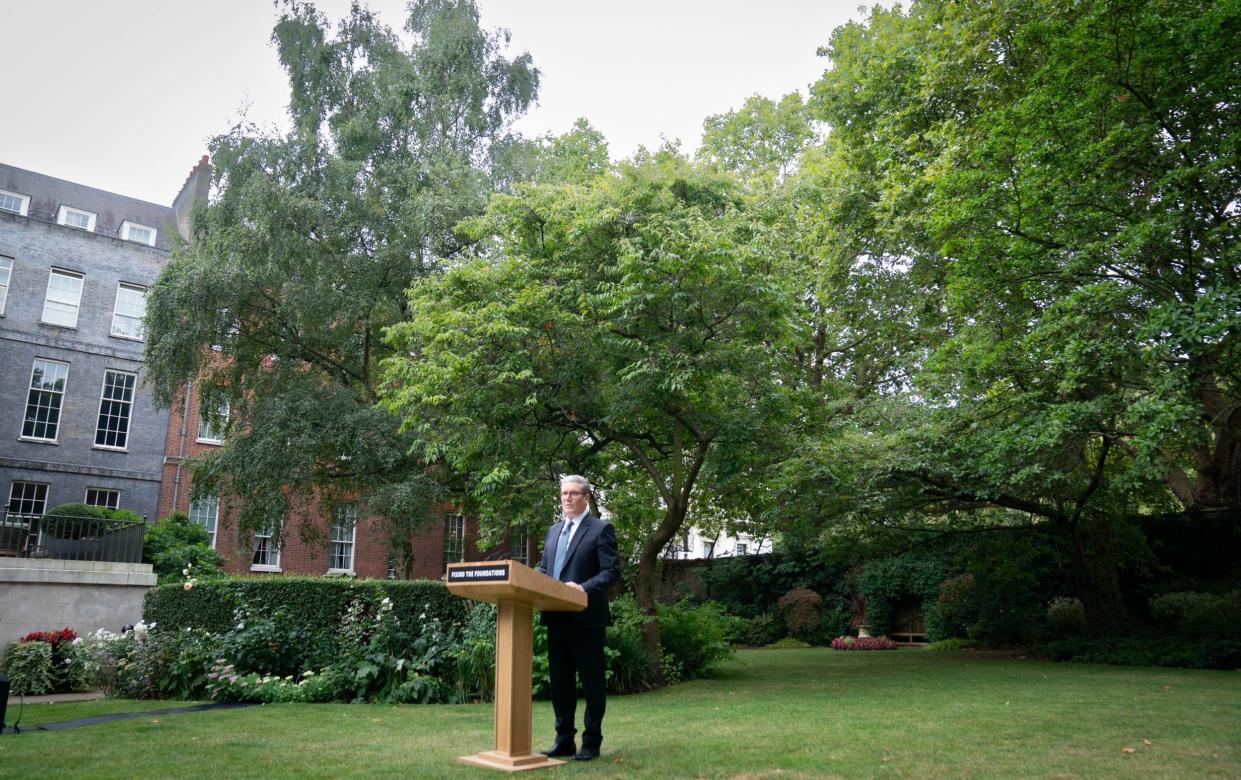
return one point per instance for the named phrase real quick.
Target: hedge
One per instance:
(319, 601)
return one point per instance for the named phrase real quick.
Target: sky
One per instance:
(125, 95)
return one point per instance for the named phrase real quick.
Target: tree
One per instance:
(1061, 180)
(303, 255)
(626, 328)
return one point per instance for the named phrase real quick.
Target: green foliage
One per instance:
(1203, 616)
(29, 667)
(317, 603)
(1149, 651)
(763, 139)
(175, 545)
(802, 611)
(163, 665)
(303, 255)
(763, 630)
(885, 581)
(788, 643)
(694, 638)
(628, 670)
(954, 643)
(1065, 618)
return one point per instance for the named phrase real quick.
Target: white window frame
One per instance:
(127, 229)
(122, 404)
(23, 208)
(205, 433)
(120, 319)
(6, 275)
(264, 539)
(206, 512)
(113, 493)
(65, 212)
(38, 504)
(519, 544)
(56, 297)
(342, 539)
(60, 402)
(454, 538)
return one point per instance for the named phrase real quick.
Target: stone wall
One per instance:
(42, 595)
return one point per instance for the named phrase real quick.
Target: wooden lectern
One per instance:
(517, 590)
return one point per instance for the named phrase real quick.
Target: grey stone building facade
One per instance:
(77, 423)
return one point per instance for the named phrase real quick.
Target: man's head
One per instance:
(574, 495)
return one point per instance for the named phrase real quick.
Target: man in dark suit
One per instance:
(581, 551)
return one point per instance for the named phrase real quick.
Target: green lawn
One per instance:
(772, 713)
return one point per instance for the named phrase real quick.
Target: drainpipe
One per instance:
(185, 421)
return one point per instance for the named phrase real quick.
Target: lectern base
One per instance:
(494, 759)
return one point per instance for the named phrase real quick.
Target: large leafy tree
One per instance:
(309, 241)
(628, 328)
(1060, 181)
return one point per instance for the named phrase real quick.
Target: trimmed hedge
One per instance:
(319, 602)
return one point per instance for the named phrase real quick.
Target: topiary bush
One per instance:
(802, 611)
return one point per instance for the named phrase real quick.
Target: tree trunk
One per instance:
(648, 582)
(1095, 575)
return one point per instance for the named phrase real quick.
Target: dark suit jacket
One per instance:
(593, 563)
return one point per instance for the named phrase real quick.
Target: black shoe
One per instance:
(585, 754)
(560, 749)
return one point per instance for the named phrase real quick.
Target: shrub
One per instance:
(955, 643)
(694, 636)
(628, 671)
(1148, 651)
(788, 643)
(176, 544)
(863, 643)
(29, 667)
(763, 629)
(1065, 618)
(802, 610)
(1198, 615)
(163, 665)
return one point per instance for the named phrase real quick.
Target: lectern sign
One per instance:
(517, 590)
(492, 572)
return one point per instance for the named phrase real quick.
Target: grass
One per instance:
(771, 713)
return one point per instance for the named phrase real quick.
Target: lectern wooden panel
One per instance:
(517, 590)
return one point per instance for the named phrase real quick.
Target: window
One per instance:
(14, 202)
(6, 270)
(266, 552)
(130, 309)
(27, 499)
(708, 549)
(47, 390)
(741, 548)
(211, 426)
(205, 511)
(64, 293)
(103, 497)
(115, 402)
(454, 538)
(344, 531)
(519, 544)
(132, 231)
(67, 215)
(391, 569)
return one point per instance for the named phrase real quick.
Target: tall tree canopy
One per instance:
(310, 240)
(627, 328)
(1059, 180)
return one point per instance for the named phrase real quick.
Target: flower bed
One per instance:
(863, 643)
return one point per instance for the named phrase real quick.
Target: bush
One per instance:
(29, 667)
(802, 611)
(163, 665)
(176, 544)
(1198, 615)
(788, 643)
(1148, 651)
(955, 643)
(628, 671)
(1065, 618)
(762, 630)
(863, 643)
(694, 637)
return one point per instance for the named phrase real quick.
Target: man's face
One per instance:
(572, 499)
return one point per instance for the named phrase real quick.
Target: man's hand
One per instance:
(575, 585)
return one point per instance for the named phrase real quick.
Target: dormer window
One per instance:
(67, 215)
(14, 202)
(132, 231)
